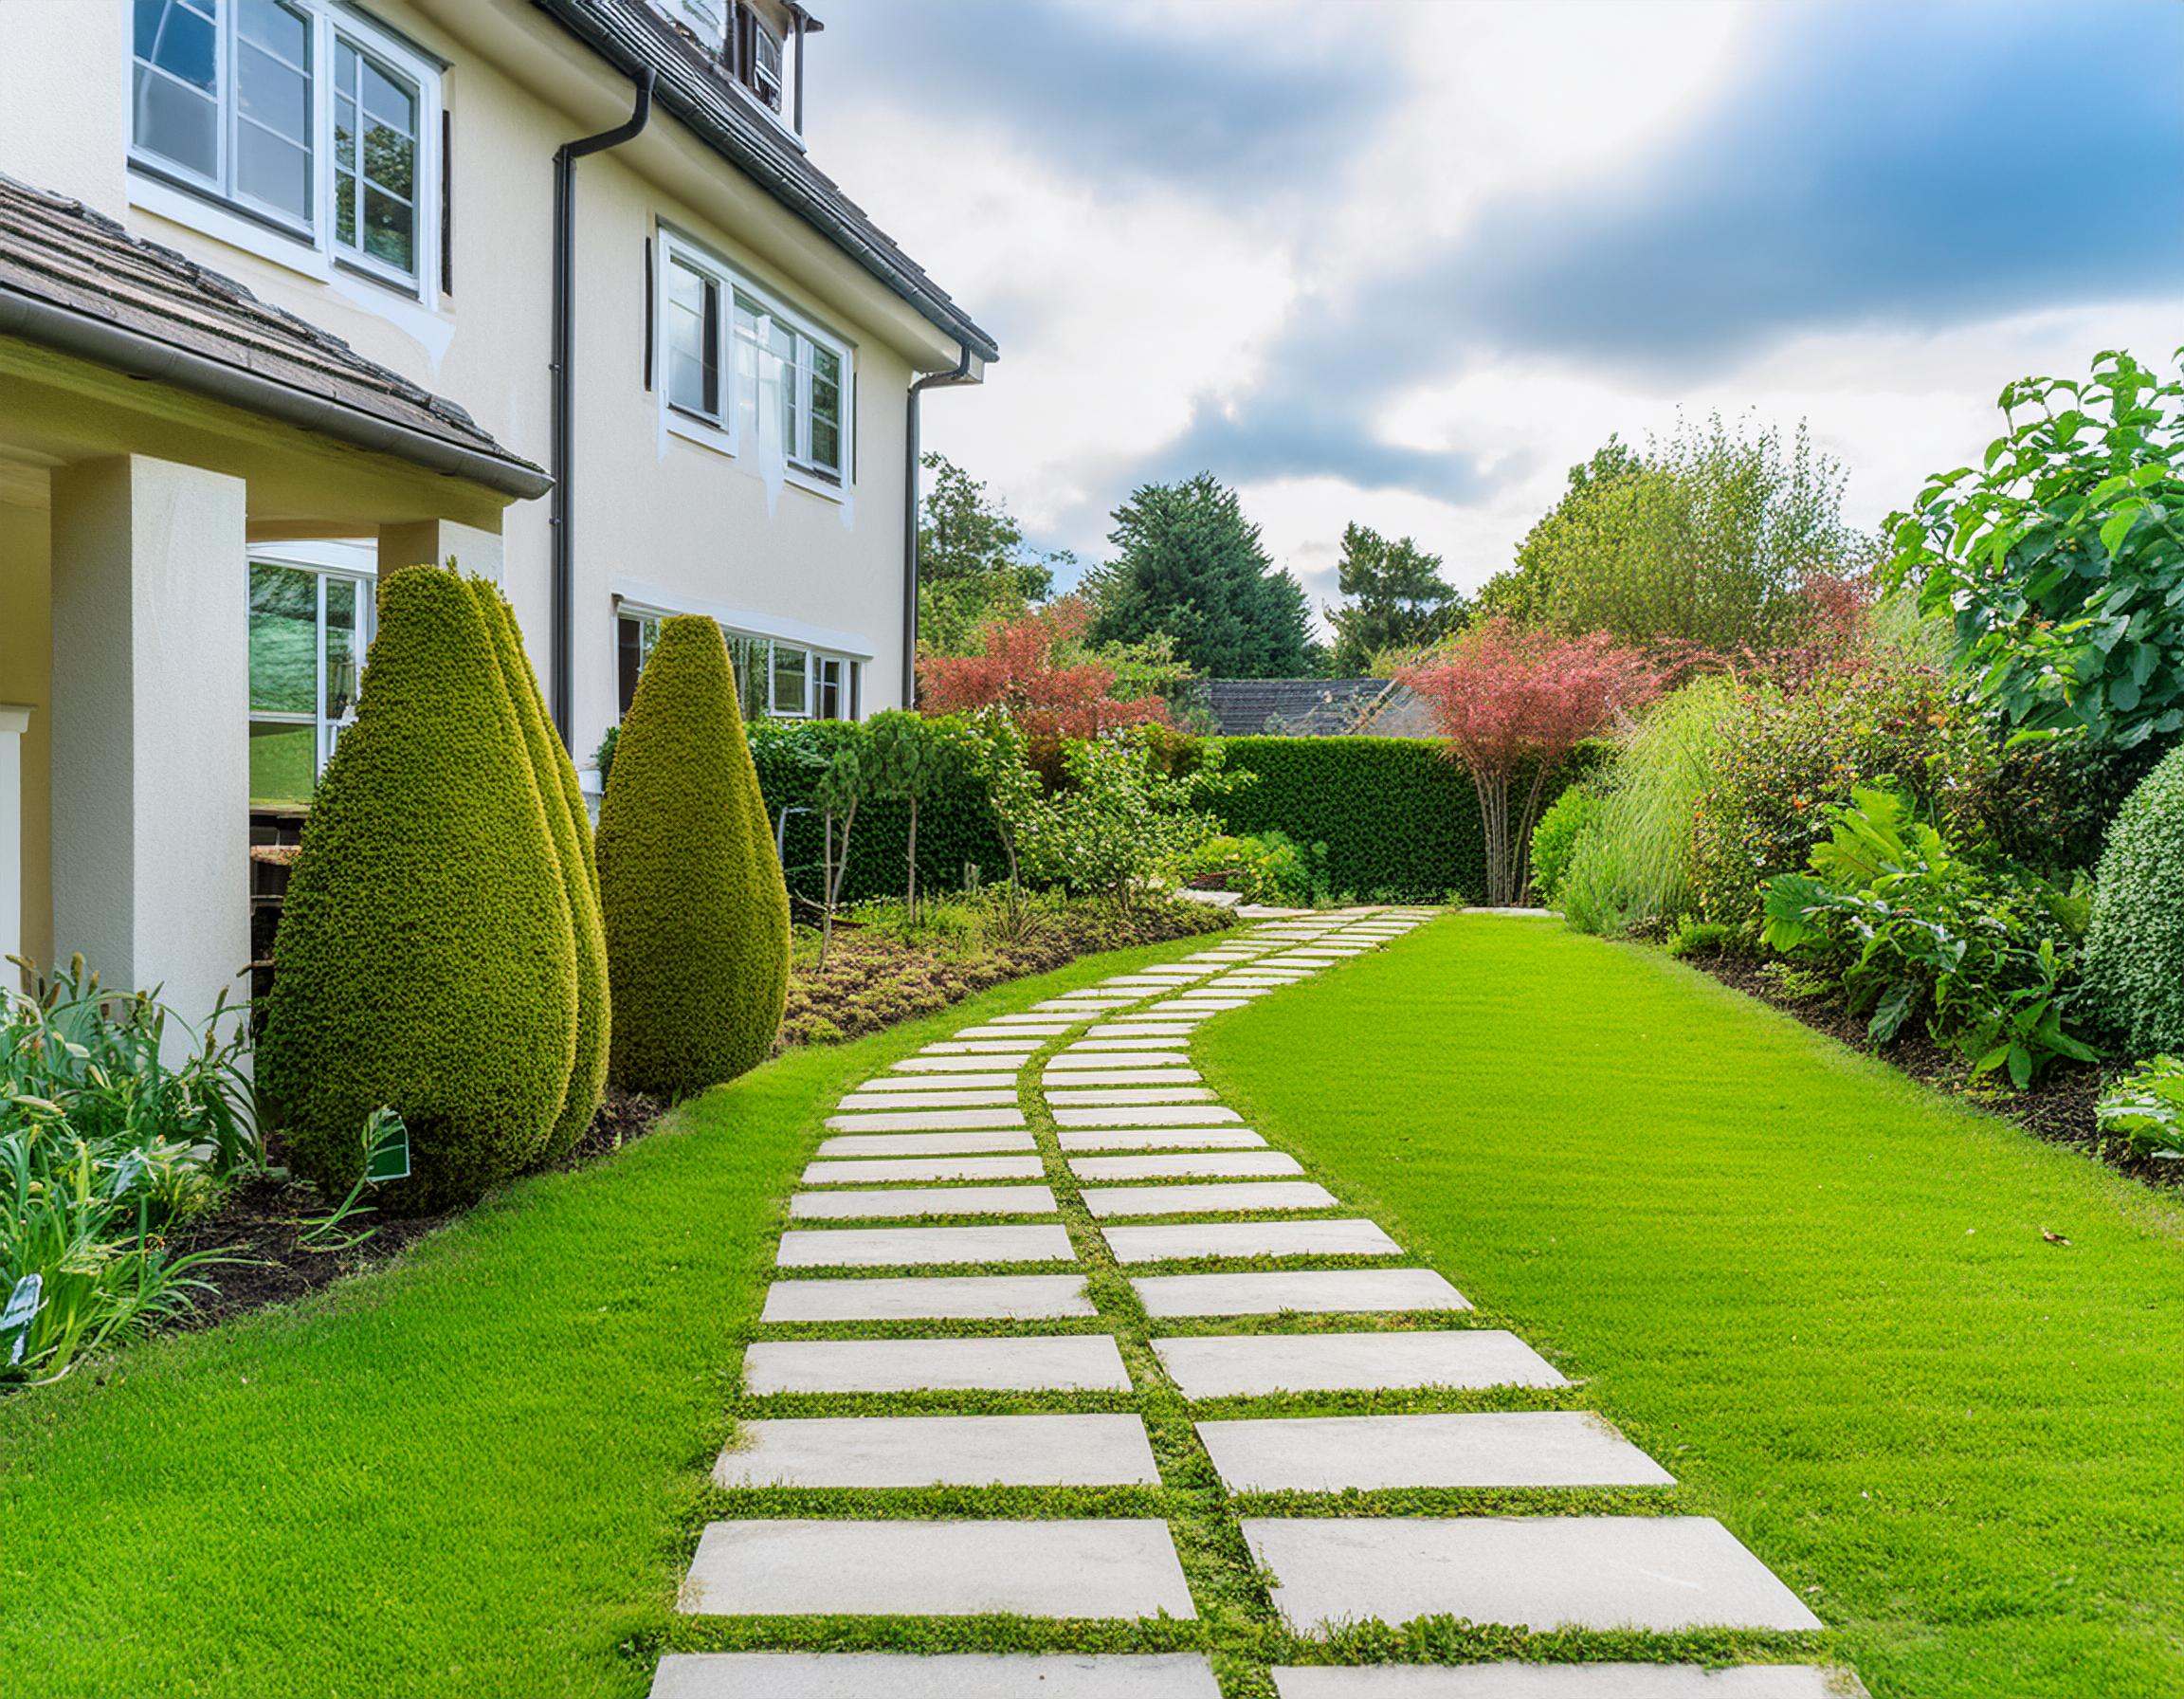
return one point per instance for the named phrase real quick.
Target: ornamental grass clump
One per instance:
(697, 914)
(426, 960)
(2135, 948)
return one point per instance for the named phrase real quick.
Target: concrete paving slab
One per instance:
(1148, 1115)
(1259, 1364)
(977, 1047)
(926, 1120)
(1160, 1137)
(939, 1451)
(1664, 1573)
(923, 1200)
(1325, 1291)
(883, 1247)
(1120, 1568)
(940, 1096)
(948, 1675)
(1488, 1447)
(1125, 1096)
(1122, 1068)
(883, 1171)
(1133, 1042)
(1239, 1164)
(972, 1073)
(1567, 1681)
(1032, 1023)
(1057, 1363)
(1135, 1029)
(1108, 1201)
(917, 1297)
(925, 1145)
(1340, 1237)
(1043, 1029)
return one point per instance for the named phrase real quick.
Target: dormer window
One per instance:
(759, 56)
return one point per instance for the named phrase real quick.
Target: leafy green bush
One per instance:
(427, 958)
(1631, 867)
(1123, 828)
(697, 916)
(1555, 839)
(2135, 951)
(105, 1146)
(2051, 800)
(2145, 1109)
(1783, 758)
(1267, 867)
(1915, 929)
(1700, 938)
(569, 823)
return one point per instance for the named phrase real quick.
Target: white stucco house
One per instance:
(294, 289)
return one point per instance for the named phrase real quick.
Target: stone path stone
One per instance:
(937, 1095)
(1124, 1568)
(1247, 1239)
(1244, 1163)
(1149, 1029)
(1568, 1681)
(1330, 1291)
(882, 1171)
(1257, 1364)
(940, 1451)
(1491, 1448)
(1100, 1063)
(924, 1144)
(967, 1053)
(1664, 1573)
(964, 1081)
(1127, 1096)
(1043, 1028)
(1056, 1363)
(887, 1246)
(1146, 1115)
(1160, 1137)
(913, 1297)
(1108, 1201)
(923, 1200)
(917, 1121)
(945, 1675)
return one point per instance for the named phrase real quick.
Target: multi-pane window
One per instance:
(291, 111)
(773, 676)
(308, 635)
(799, 377)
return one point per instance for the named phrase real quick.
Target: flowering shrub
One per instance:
(1780, 760)
(1024, 667)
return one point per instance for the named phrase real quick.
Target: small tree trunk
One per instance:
(834, 863)
(1492, 789)
(910, 901)
(1523, 882)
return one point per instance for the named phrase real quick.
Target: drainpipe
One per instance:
(932, 380)
(563, 452)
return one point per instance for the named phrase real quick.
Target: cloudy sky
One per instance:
(1405, 260)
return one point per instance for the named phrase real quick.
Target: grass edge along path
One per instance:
(1817, 1291)
(466, 1472)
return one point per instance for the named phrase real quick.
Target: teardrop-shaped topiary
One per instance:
(569, 826)
(697, 913)
(426, 958)
(2135, 947)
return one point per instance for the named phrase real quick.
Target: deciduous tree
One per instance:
(1398, 600)
(1036, 670)
(972, 561)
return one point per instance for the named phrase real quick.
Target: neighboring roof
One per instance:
(1291, 707)
(696, 87)
(74, 280)
(1401, 713)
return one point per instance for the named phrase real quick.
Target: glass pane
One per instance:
(284, 640)
(389, 101)
(390, 159)
(345, 210)
(274, 92)
(180, 39)
(276, 28)
(389, 228)
(693, 371)
(270, 169)
(341, 602)
(747, 657)
(284, 763)
(177, 123)
(789, 665)
(345, 133)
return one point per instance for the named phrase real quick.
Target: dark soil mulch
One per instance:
(2057, 1107)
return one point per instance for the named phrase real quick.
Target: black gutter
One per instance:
(560, 523)
(932, 380)
(106, 343)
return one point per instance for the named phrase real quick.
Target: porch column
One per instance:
(14, 722)
(429, 543)
(150, 734)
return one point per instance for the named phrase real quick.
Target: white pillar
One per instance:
(434, 543)
(14, 722)
(150, 734)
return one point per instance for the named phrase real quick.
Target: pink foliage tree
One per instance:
(1514, 702)
(1023, 668)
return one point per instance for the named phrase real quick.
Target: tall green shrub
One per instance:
(2135, 950)
(569, 823)
(426, 960)
(697, 914)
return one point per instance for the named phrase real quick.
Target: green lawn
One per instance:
(475, 1472)
(1816, 1291)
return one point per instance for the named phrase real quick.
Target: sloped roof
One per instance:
(696, 87)
(1291, 707)
(74, 280)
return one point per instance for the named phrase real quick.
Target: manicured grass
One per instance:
(1816, 1291)
(478, 1472)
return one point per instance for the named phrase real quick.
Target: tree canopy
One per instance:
(972, 561)
(1189, 564)
(1398, 600)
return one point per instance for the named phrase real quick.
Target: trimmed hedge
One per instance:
(569, 825)
(2135, 948)
(427, 959)
(697, 916)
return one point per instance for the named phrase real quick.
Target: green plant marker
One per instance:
(21, 1311)
(389, 1156)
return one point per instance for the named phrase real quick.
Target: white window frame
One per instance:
(850, 691)
(321, 563)
(725, 434)
(173, 191)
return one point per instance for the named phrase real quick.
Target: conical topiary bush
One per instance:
(426, 958)
(696, 910)
(569, 826)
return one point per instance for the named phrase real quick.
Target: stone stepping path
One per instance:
(1128, 1154)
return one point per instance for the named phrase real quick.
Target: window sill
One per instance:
(692, 429)
(817, 483)
(198, 209)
